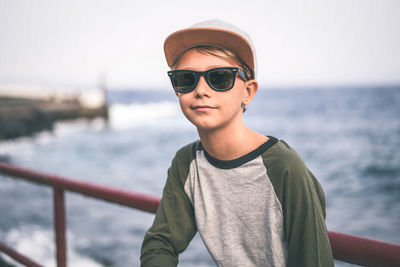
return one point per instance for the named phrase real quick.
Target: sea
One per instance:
(349, 137)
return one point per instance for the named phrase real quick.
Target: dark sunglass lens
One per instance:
(183, 80)
(221, 79)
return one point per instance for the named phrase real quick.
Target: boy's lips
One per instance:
(202, 107)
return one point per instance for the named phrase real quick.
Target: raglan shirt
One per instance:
(262, 209)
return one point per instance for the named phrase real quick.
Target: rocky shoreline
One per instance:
(26, 116)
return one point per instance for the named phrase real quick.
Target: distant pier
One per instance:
(25, 111)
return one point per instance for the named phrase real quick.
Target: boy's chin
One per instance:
(206, 128)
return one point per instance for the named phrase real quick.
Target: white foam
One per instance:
(65, 128)
(38, 244)
(139, 114)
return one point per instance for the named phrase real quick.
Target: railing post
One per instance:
(59, 226)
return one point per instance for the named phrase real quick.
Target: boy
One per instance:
(250, 196)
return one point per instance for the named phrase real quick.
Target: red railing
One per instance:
(348, 248)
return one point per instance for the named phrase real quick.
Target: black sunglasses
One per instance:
(219, 79)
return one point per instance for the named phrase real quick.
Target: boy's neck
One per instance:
(229, 144)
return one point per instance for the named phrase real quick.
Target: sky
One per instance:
(298, 43)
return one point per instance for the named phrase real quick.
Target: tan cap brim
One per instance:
(180, 41)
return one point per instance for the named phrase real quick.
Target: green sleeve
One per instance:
(303, 205)
(174, 224)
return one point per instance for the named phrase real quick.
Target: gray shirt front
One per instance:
(238, 214)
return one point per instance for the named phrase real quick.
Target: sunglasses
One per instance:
(219, 79)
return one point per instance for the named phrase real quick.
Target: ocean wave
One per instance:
(38, 244)
(66, 128)
(124, 116)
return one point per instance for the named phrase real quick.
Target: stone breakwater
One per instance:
(25, 116)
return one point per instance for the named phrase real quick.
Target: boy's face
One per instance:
(206, 108)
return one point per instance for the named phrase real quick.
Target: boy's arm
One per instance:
(304, 221)
(174, 225)
(303, 204)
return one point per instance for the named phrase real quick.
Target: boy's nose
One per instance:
(202, 87)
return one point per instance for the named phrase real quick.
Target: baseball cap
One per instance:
(214, 33)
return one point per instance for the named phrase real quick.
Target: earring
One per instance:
(244, 107)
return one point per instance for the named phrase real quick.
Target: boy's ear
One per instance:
(251, 88)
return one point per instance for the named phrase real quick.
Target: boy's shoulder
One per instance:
(188, 151)
(282, 157)
(185, 155)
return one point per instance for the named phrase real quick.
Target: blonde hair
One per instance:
(220, 52)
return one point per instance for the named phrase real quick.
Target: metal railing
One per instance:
(347, 248)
